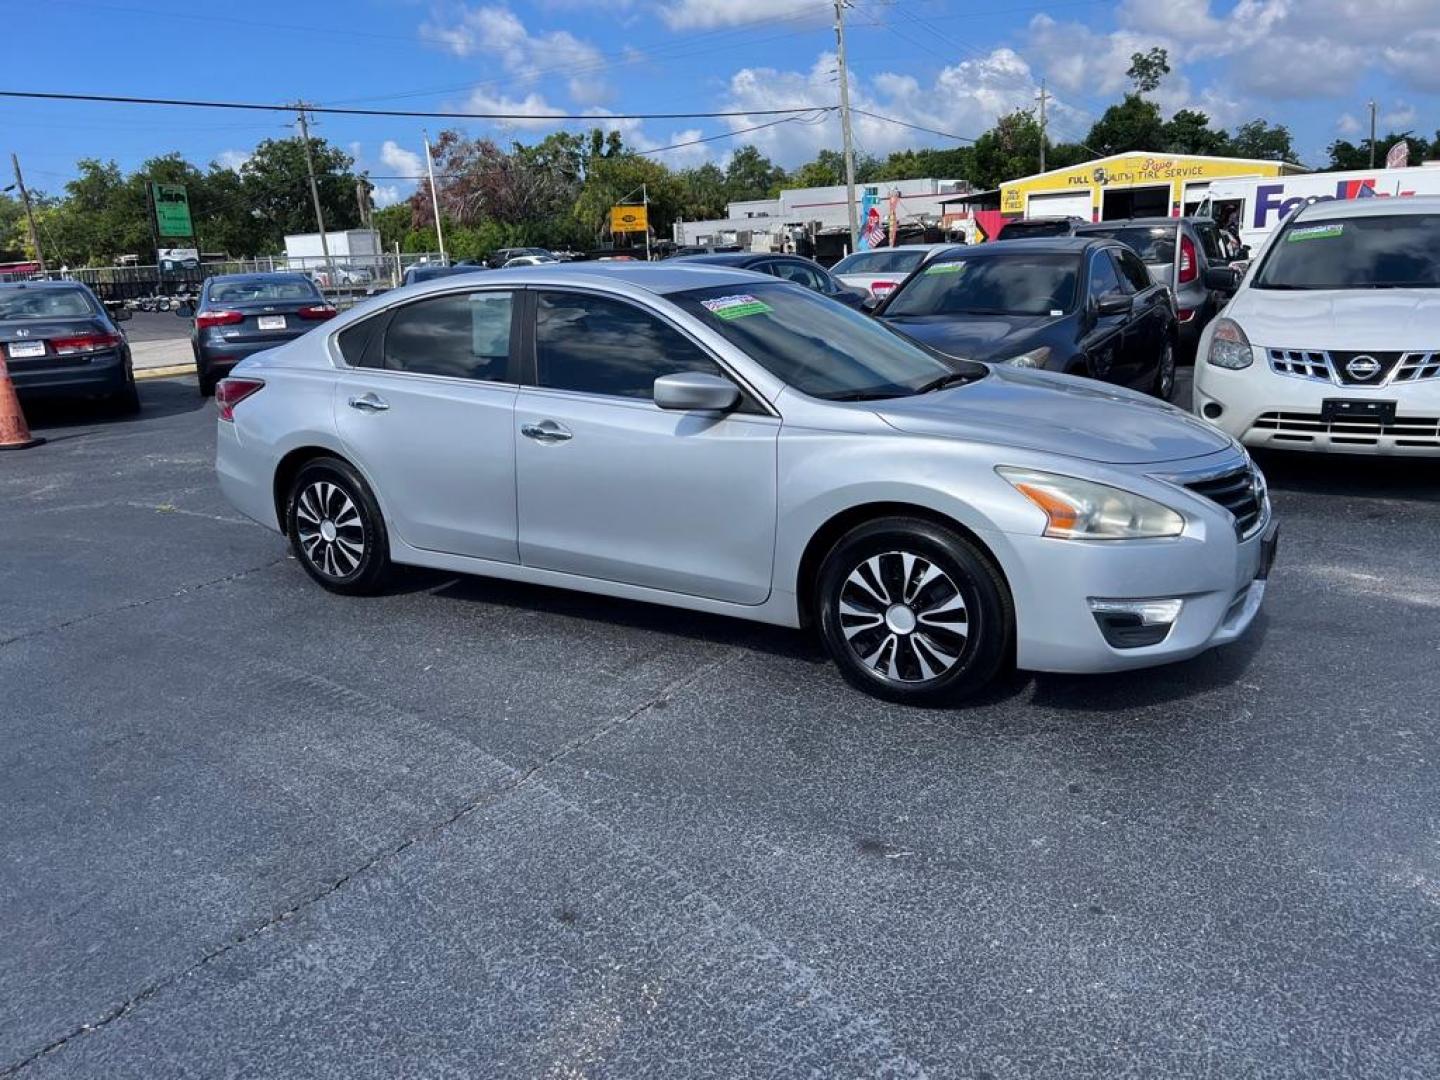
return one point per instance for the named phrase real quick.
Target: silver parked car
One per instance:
(721, 441)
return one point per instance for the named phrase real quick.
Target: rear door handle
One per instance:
(368, 403)
(546, 431)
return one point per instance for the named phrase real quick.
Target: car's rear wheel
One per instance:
(913, 612)
(207, 381)
(336, 529)
(126, 400)
(1164, 386)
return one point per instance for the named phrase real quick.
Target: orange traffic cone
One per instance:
(14, 432)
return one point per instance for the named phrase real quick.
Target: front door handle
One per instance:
(546, 431)
(368, 403)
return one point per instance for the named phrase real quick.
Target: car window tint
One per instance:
(464, 335)
(798, 273)
(239, 292)
(1133, 271)
(601, 346)
(1103, 276)
(45, 304)
(353, 340)
(1209, 240)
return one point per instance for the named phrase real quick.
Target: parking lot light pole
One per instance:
(315, 195)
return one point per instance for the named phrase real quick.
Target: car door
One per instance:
(1103, 338)
(610, 485)
(427, 412)
(1148, 328)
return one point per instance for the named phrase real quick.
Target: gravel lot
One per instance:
(248, 828)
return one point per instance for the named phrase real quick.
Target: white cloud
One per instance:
(497, 31)
(533, 110)
(1400, 117)
(1348, 125)
(710, 14)
(232, 159)
(400, 161)
(385, 195)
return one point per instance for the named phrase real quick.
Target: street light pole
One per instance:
(845, 131)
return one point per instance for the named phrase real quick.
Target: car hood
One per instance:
(974, 337)
(1348, 319)
(1059, 414)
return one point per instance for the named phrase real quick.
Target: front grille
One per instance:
(1305, 427)
(1320, 366)
(1235, 491)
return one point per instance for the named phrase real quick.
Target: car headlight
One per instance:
(1035, 358)
(1082, 510)
(1229, 347)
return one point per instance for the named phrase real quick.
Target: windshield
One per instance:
(240, 292)
(897, 261)
(1153, 243)
(818, 346)
(1014, 284)
(1400, 251)
(44, 304)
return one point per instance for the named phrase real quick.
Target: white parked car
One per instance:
(529, 260)
(1332, 342)
(880, 271)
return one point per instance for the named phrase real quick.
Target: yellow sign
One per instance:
(629, 219)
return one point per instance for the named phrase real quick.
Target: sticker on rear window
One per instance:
(736, 307)
(1316, 232)
(945, 268)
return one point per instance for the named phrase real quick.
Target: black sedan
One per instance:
(794, 268)
(59, 341)
(1074, 305)
(241, 314)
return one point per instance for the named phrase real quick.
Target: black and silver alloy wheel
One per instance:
(903, 617)
(1165, 376)
(335, 527)
(911, 611)
(329, 531)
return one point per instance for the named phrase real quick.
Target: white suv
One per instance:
(1332, 341)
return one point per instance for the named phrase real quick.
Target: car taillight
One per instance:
(317, 311)
(230, 392)
(218, 318)
(83, 343)
(1189, 268)
(880, 288)
(1185, 314)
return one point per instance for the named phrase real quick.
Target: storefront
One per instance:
(1128, 185)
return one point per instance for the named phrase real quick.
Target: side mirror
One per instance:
(185, 310)
(696, 391)
(1224, 279)
(1115, 303)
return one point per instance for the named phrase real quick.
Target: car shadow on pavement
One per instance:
(158, 398)
(1412, 478)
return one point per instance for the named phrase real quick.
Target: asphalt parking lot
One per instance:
(248, 828)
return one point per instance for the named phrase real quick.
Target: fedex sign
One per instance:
(1273, 201)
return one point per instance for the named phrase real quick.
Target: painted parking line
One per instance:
(164, 372)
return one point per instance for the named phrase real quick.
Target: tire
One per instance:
(352, 555)
(203, 377)
(1164, 384)
(926, 618)
(126, 400)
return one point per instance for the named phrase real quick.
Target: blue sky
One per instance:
(952, 65)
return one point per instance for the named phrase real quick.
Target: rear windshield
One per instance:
(895, 261)
(1400, 251)
(238, 292)
(1018, 284)
(1019, 230)
(1153, 243)
(45, 304)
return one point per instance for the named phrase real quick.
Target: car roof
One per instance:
(1338, 209)
(905, 247)
(660, 278)
(1144, 222)
(44, 285)
(728, 258)
(268, 275)
(1039, 245)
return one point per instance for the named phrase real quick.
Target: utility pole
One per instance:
(1042, 96)
(645, 198)
(845, 125)
(29, 214)
(434, 195)
(1372, 133)
(315, 193)
(362, 199)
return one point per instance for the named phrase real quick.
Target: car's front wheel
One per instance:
(913, 612)
(335, 528)
(1164, 385)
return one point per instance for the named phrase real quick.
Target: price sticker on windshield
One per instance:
(946, 268)
(736, 307)
(1316, 232)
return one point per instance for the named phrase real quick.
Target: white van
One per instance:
(1263, 202)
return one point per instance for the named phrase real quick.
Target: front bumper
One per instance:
(1263, 408)
(84, 376)
(1220, 578)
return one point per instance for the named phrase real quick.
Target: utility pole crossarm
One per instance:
(845, 130)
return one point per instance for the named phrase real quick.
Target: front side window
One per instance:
(596, 345)
(462, 335)
(1399, 251)
(1133, 271)
(1103, 277)
(1009, 284)
(821, 348)
(799, 273)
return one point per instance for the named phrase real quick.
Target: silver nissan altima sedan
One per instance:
(722, 441)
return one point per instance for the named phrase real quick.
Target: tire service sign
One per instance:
(172, 210)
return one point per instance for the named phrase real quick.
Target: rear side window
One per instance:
(600, 346)
(799, 273)
(354, 339)
(461, 335)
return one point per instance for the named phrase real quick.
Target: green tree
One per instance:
(1257, 139)
(1009, 149)
(752, 175)
(1189, 132)
(1133, 124)
(613, 179)
(12, 229)
(704, 192)
(275, 184)
(954, 163)
(1347, 155)
(1147, 70)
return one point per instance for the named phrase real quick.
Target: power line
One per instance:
(116, 99)
(916, 127)
(820, 109)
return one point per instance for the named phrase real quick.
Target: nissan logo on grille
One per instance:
(1362, 367)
